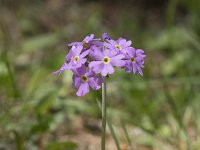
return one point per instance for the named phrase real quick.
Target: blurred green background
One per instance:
(40, 111)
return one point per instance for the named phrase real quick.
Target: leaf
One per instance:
(42, 124)
(112, 131)
(126, 135)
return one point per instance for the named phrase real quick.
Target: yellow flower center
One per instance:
(132, 59)
(76, 58)
(118, 47)
(84, 78)
(106, 60)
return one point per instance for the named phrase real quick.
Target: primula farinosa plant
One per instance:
(93, 59)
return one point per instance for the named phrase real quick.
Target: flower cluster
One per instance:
(92, 59)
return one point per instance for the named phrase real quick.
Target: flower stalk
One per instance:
(103, 134)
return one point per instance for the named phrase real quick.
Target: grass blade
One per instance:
(126, 134)
(112, 131)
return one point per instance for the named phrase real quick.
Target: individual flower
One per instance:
(75, 58)
(120, 46)
(105, 60)
(83, 79)
(134, 60)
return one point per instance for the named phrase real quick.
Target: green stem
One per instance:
(103, 135)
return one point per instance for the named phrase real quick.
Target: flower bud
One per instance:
(105, 36)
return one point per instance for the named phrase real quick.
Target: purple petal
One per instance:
(94, 63)
(97, 42)
(76, 81)
(128, 43)
(65, 66)
(139, 70)
(113, 42)
(99, 80)
(87, 39)
(90, 73)
(125, 43)
(118, 62)
(110, 69)
(108, 52)
(69, 55)
(134, 67)
(140, 52)
(83, 89)
(128, 69)
(131, 51)
(107, 69)
(104, 71)
(128, 66)
(80, 71)
(108, 45)
(119, 56)
(93, 82)
(82, 61)
(96, 53)
(122, 42)
(84, 54)
(139, 60)
(77, 50)
(98, 68)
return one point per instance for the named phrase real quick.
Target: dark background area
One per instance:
(39, 110)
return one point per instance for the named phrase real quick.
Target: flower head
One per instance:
(92, 59)
(83, 79)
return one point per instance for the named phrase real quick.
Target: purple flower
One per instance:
(105, 60)
(75, 58)
(134, 60)
(83, 79)
(120, 46)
